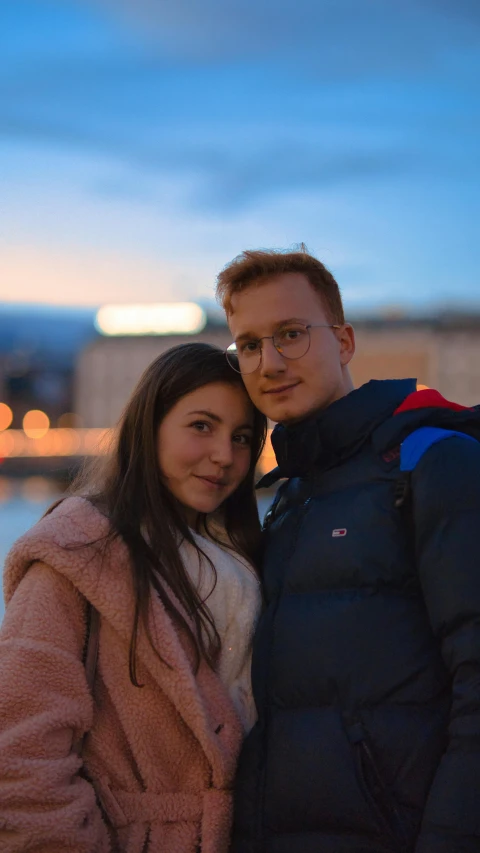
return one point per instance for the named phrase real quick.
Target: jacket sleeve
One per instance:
(446, 505)
(45, 805)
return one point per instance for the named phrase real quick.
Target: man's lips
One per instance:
(281, 388)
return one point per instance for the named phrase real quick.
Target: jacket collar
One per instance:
(335, 433)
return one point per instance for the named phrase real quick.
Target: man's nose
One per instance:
(272, 361)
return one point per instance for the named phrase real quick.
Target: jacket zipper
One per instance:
(372, 784)
(380, 798)
(262, 773)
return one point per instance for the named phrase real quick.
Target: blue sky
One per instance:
(143, 144)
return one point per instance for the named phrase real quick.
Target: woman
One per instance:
(160, 543)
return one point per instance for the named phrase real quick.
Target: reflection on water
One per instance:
(23, 502)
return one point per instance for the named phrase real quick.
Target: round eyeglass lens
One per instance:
(245, 360)
(292, 341)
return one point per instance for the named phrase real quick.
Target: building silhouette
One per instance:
(56, 359)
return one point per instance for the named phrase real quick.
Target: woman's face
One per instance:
(204, 446)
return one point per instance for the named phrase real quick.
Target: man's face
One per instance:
(289, 390)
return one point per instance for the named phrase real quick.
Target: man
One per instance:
(366, 665)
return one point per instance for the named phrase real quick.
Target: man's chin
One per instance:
(288, 411)
(290, 415)
(287, 415)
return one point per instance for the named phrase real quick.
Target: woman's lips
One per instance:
(212, 482)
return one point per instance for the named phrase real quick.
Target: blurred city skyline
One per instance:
(144, 144)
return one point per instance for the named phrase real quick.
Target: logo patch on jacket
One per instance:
(339, 531)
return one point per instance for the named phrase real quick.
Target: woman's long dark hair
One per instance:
(128, 488)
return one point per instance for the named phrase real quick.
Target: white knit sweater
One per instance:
(235, 604)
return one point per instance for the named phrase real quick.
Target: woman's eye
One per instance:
(245, 440)
(200, 426)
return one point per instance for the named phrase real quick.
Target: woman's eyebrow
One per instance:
(207, 414)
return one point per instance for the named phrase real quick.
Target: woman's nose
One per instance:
(222, 453)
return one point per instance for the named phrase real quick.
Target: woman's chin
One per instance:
(192, 511)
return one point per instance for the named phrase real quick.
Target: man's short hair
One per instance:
(259, 265)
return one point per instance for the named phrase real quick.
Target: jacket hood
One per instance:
(387, 410)
(425, 408)
(337, 432)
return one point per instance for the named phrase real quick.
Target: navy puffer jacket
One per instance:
(366, 667)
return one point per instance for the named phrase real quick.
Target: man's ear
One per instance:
(346, 339)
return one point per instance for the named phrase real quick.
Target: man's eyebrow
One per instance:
(250, 335)
(207, 414)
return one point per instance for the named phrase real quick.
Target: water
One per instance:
(20, 513)
(16, 516)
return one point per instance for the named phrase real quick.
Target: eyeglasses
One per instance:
(291, 341)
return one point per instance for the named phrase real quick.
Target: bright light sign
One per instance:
(161, 318)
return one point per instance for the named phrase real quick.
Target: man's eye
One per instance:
(290, 334)
(249, 347)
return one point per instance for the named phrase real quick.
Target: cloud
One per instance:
(298, 168)
(236, 103)
(468, 10)
(334, 38)
(223, 173)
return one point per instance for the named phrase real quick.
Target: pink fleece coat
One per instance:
(159, 761)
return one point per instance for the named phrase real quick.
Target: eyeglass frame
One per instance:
(272, 339)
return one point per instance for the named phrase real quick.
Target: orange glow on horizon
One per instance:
(267, 460)
(15, 444)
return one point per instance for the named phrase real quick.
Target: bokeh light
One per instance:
(15, 443)
(35, 423)
(161, 318)
(6, 416)
(69, 420)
